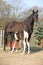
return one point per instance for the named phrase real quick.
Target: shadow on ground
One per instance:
(35, 49)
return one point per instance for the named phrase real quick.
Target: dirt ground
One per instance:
(17, 58)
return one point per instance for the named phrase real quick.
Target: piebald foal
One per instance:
(25, 41)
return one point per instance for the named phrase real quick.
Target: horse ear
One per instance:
(33, 12)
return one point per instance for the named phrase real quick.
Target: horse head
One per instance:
(35, 15)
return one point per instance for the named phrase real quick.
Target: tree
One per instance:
(5, 11)
(39, 32)
(17, 9)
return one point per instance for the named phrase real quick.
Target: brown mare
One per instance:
(25, 28)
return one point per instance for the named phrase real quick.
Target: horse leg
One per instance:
(13, 47)
(29, 38)
(24, 44)
(25, 41)
(15, 40)
(28, 44)
(10, 46)
(10, 42)
(5, 42)
(4, 45)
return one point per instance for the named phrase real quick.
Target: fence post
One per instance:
(1, 37)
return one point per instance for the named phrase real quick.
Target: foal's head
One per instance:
(35, 16)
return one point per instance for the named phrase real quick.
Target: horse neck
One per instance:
(30, 20)
(30, 23)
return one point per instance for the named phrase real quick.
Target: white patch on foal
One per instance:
(26, 42)
(16, 38)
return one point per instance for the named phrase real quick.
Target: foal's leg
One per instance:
(10, 46)
(5, 42)
(28, 44)
(24, 44)
(16, 38)
(28, 47)
(13, 47)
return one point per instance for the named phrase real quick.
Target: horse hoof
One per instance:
(12, 51)
(28, 53)
(16, 50)
(23, 53)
